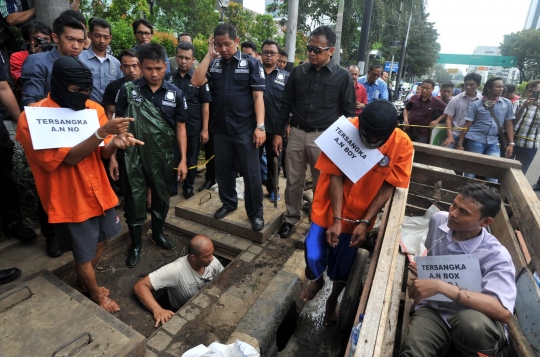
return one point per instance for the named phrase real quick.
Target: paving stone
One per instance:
(174, 324)
(202, 300)
(159, 341)
(304, 226)
(247, 256)
(213, 291)
(189, 312)
(255, 249)
(150, 354)
(241, 244)
(177, 349)
(228, 240)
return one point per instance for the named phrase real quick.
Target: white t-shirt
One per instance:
(181, 281)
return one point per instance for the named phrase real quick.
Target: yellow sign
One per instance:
(452, 70)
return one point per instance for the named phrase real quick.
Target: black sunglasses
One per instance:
(317, 50)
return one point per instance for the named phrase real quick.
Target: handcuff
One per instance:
(357, 221)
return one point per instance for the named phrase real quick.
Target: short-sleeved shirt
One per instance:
(273, 96)
(7, 7)
(395, 168)
(317, 98)
(36, 76)
(458, 108)
(498, 272)
(376, 90)
(16, 61)
(232, 85)
(68, 193)
(361, 95)
(181, 281)
(484, 128)
(527, 129)
(168, 98)
(103, 72)
(422, 112)
(195, 96)
(111, 91)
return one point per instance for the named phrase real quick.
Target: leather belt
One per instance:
(308, 129)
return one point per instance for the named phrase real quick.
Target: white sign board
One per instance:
(461, 270)
(52, 128)
(341, 143)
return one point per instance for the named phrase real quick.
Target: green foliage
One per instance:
(263, 28)
(193, 17)
(167, 40)
(201, 46)
(26, 185)
(441, 75)
(122, 35)
(524, 45)
(250, 27)
(520, 89)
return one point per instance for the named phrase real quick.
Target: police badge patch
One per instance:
(217, 63)
(170, 96)
(243, 63)
(261, 72)
(384, 161)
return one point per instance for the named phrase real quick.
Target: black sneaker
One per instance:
(536, 187)
(21, 232)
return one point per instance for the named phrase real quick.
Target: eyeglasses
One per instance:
(316, 50)
(269, 53)
(140, 33)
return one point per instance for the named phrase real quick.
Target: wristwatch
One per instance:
(511, 144)
(261, 127)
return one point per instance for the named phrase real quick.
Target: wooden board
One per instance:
(55, 315)
(501, 228)
(379, 303)
(450, 182)
(527, 308)
(478, 164)
(518, 340)
(432, 193)
(201, 208)
(526, 208)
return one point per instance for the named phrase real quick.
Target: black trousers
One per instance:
(10, 203)
(242, 148)
(193, 145)
(210, 173)
(270, 155)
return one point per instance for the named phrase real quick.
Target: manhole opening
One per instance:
(287, 327)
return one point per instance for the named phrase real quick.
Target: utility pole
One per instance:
(402, 55)
(292, 26)
(339, 30)
(364, 34)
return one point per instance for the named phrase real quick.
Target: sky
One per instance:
(465, 24)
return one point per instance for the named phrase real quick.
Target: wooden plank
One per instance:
(388, 336)
(406, 309)
(502, 229)
(518, 340)
(478, 164)
(527, 307)
(526, 208)
(523, 246)
(449, 181)
(429, 191)
(383, 277)
(372, 266)
(412, 211)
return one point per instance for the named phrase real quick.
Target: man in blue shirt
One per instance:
(376, 88)
(144, 31)
(69, 34)
(105, 68)
(482, 134)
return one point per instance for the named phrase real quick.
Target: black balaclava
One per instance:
(69, 70)
(377, 120)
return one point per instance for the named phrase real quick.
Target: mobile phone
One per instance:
(536, 94)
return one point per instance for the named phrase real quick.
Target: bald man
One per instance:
(359, 90)
(183, 278)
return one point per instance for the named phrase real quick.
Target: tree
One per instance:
(524, 45)
(193, 17)
(250, 27)
(441, 75)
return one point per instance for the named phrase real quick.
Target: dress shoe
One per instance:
(7, 275)
(257, 223)
(21, 232)
(134, 254)
(157, 234)
(285, 230)
(222, 212)
(536, 187)
(188, 193)
(207, 184)
(53, 248)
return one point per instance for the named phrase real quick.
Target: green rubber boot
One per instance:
(134, 254)
(158, 237)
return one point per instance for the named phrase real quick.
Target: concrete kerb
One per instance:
(259, 325)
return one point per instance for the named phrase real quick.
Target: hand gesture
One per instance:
(211, 49)
(259, 137)
(162, 315)
(182, 171)
(449, 140)
(125, 140)
(359, 236)
(509, 151)
(333, 233)
(423, 288)
(116, 126)
(433, 123)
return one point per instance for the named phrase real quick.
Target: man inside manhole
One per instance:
(344, 212)
(183, 278)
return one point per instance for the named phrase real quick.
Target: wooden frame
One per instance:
(378, 333)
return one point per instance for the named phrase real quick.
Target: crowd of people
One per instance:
(242, 106)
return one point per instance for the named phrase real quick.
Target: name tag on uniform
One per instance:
(168, 104)
(135, 96)
(215, 70)
(281, 83)
(241, 70)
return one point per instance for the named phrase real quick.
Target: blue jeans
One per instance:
(480, 148)
(525, 156)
